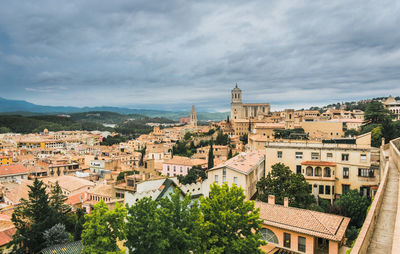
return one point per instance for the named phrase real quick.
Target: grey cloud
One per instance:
(177, 53)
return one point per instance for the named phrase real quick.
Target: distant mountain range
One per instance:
(26, 108)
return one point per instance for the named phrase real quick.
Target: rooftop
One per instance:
(323, 225)
(244, 162)
(12, 169)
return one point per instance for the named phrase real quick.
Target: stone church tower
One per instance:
(193, 117)
(236, 103)
(289, 119)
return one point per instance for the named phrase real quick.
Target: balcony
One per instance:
(318, 173)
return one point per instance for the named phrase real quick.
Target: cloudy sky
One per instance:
(172, 54)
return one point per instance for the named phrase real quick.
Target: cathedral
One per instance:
(247, 111)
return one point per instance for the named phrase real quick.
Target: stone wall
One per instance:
(364, 237)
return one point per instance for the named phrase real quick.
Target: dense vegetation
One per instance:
(35, 124)
(379, 121)
(282, 182)
(193, 175)
(224, 222)
(112, 140)
(44, 219)
(130, 126)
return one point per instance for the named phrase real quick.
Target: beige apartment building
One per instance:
(323, 129)
(244, 170)
(331, 167)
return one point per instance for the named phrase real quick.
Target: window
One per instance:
(345, 172)
(345, 156)
(327, 172)
(321, 189)
(299, 155)
(174, 168)
(309, 171)
(279, 154)
(301, 244)
(345, 188)
(235, 180)
(223, 178)
(329, 155)
(286, 240)
(224, 172)
(365, 172)
(298, 169)
(363, 158)
(216, 178)
(318, 171)
(327, 190)
(269, 236)
(314, 156)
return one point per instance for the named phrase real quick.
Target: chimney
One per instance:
(271, 199)
(286, 202)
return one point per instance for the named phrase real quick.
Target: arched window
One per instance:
(327, 172)
(309, 171)
(269, 236)
(318, 171)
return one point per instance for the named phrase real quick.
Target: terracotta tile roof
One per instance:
(319, 163)
(185, 161)
(6, 235)
(12, 169)
(70, 183)
(103, 190)
(76, 199)
(323, 225)
(244, 162)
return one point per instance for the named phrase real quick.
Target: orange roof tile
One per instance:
(12, 169)
(243, 162)
(323, 225)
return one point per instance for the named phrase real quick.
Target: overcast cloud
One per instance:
(172, 54)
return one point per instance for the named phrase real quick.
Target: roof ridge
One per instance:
(312, 214)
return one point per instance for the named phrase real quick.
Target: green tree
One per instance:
(355, 206)
(222, 139)
(230, 154)
(4, 130)
(57, 202)
(376, 136)
(102, 229)
(231, 224)
(56, 235)
(143, 153)
(244, 139)
(376, 113)
(180, 222)
(282, 182)
(211, 157)
(31, 218)
(193, 174)
(187, 136)
(144, 234)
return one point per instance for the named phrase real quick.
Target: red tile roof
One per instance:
(323, 225)
(6, 235)
(12, 169)
(319, 163)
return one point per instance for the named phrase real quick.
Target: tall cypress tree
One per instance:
(31, 218)
(211, 157)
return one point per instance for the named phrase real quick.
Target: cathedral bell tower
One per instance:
(236, 103)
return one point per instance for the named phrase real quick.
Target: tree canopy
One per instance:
(355, 206)
(231, 223)
(282, 182)
(102, 229)
(193, 174)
